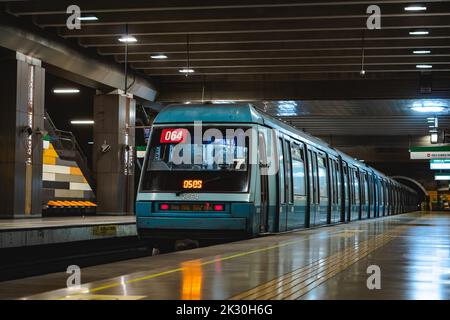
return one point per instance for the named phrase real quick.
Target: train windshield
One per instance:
(206, 159)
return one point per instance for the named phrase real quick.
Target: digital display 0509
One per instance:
(192, 184)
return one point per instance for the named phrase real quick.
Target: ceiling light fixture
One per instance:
(158, 56)
(429, 106)
(424, 66)
(186, 71)
(65, 91)
(87, 18)
(82, 122)
(419, 32)
(421, 51)
(416, 7)
(127, 39)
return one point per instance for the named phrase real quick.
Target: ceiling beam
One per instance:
(47, 8)
(286, 46)
(405, 23)
(253, 15)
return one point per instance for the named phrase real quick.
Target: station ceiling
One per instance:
(311, 38)
(354, 117)
(300, 58)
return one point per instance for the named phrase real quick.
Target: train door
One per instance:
(335, 200)
(371, 195)
(264, 182)
(339, 198)
(296, 218)
(388, 199)
(364, 195)
(391, 200)
(376, 193)
(288, 178)
(356, 206)
(382, 205)
(378, 205)
(313, 198)
(324, 197)
(345, 210)
(282, 208)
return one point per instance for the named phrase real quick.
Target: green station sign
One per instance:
(430, 152)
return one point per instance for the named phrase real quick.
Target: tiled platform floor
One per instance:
(411, 250)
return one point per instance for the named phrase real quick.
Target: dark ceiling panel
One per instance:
(254, 37)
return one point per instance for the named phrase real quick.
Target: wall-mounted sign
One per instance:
(440, 164)
(442, 176)
(434, 152)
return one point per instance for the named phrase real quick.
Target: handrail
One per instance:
(66, 141)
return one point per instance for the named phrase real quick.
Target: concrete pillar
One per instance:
(22, 89)
(114, 153)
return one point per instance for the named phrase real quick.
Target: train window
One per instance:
(298, 170)
(221, 161)
(323, 182)
(281, 171)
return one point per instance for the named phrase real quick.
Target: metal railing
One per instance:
(68, 148)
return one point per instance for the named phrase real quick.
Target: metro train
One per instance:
(275, 179)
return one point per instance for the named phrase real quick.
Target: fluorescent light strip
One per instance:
(127, 39)
(88, 18)
(419, 33)
(186, 71)
(428, 109)
(421, 51)
(158, 56)
(68, 90)
(415, 8)
(82, 122)
(424, 66)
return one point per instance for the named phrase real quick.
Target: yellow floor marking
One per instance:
(298, 282)
(301, 273)
(112, 285)
(148, 277)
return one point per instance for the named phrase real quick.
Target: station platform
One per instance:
(43, 231)
(412, 251)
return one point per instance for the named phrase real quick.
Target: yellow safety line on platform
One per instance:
(295, 284)
(148, 277)
(201, 264)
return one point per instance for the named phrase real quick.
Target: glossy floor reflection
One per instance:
(412, 251)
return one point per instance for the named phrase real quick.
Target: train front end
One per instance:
(196, 183)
